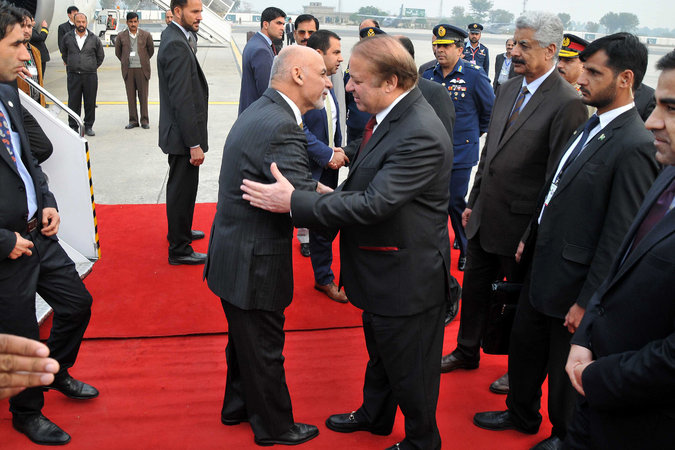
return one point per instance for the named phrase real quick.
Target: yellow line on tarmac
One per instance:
(237, 53)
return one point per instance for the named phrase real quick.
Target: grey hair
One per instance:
(548, 29)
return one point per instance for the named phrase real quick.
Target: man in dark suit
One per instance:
(394, 245)
(183, 116)
(621, 361)
(67, 26)
(290, 28)
(533, 116)
(134, 48)
(31, 258)
(644, 100)
(583, 213)
(504, 69)
(258, 55)
(324, 139)
(249, 257)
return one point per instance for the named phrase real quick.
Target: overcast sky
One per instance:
(652, 13)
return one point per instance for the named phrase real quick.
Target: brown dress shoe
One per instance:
(332, 291)
(450, 362)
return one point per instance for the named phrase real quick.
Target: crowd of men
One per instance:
(570, 202)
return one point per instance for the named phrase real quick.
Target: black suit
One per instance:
(576, 241)
(395, 252)
(645, 102)
(64, 28)
(48, 271)
(499, 62)
(183, 115)
(629, 326)
(249, 262)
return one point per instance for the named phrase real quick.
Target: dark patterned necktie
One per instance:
(517, 107)
(367, 134)
(656, 213)
(6, 136)
(192, 42)
(590, 124)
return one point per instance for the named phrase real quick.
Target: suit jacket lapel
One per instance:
(273, 95)
(526, 112)
(16, 123)
(665, 227)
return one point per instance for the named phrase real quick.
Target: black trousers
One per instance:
(181, 194)
(539, 347)
(256, 382)
(82, 86)
(404, 370)
(482, 269)
(459, 185)
(52, 274)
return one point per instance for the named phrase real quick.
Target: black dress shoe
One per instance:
(130, 126)
(450, 362)
(72, 388)
(229, 421)
(193, 258)
(304, 250)
(348, 423)
(145, 126)
(551, 443)
(297, 434)
(461, 263)
(196, 235)
(500, 385)
(498, 421)
(40, 430)
(89, 131)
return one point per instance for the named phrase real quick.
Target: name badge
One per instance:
(132, 54)
(33, 71)
(473, 61)
(551, 191)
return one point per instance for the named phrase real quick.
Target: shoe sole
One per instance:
(332, 427)
(182, 263)
(499, 391)
(269, 442)
(512, 427)
(463, 367)
(231, 422)
(42, 442)
(74, 397)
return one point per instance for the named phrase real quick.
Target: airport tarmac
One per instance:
(128, 166)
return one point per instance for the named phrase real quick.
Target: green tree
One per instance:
(480, 8)
(624, 21)
(592, 27)
(501, 16)
(458, 16)
(565, 19)
(367, 11)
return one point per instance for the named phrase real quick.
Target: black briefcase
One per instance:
(501, 312)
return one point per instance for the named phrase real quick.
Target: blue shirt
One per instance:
(473, 97)
(31, 197)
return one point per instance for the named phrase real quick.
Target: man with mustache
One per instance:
(532, 118)
(582, 215)
(82, 52)
(305, 26)
(504, 66)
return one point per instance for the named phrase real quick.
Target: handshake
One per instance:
(339, 159)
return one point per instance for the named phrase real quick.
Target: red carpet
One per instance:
(166, 393)
(137, 293)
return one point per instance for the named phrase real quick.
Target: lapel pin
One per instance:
(11, 105)
(602, 137)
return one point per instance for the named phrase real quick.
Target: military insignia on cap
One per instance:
(371, 32)
(475, 25)
(566, 42)
(441, 31)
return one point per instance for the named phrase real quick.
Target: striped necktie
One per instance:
(329, 116)
(517, 107)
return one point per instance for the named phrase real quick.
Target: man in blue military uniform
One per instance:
(475, 52)
(356, 120)
(472, 95)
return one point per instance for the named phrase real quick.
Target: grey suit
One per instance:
(513, 166)
(249, 263)
(574, 245)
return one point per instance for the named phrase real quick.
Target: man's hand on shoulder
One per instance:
(22, 247)
(196, 156)
(275, 197)
(50, 221)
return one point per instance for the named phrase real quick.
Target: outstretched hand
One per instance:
(275, 197)
(24, 363)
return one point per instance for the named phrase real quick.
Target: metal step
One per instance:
(213, 27)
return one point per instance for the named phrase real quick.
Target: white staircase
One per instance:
(213, 27)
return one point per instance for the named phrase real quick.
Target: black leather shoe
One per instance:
(450, 362)
(498, 421)
(304, 250)
(297, 434)
(551, 443)
(130, 126)
(40, 430)
(89, 131)
(229, 421)
(500, 385)
(461, 263)
(193, 258)
(197, 235)
(348, 423)
(72, 388)
(145, 126)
